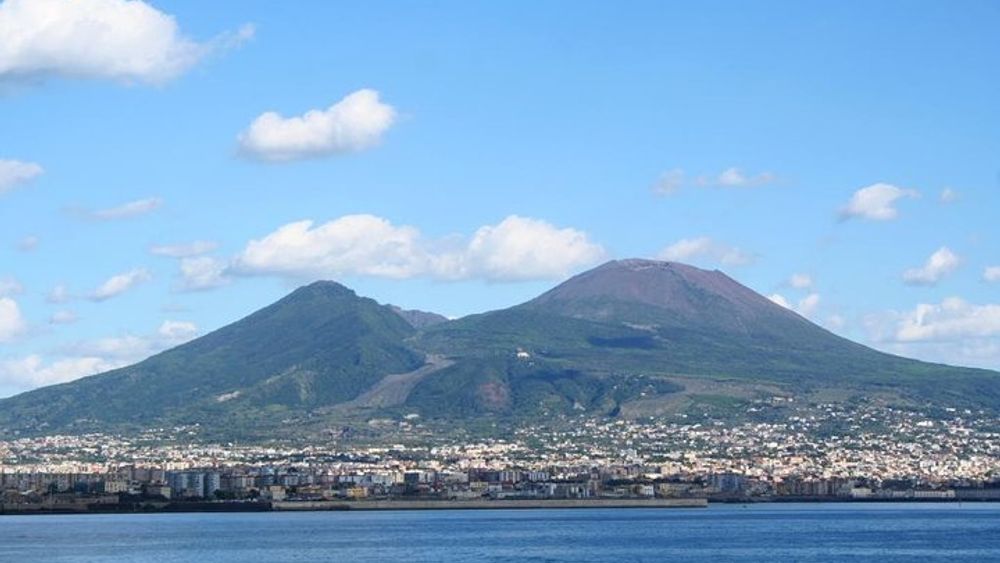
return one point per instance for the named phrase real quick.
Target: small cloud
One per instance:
(185, 250)
(948, 195)
(125, 210)
(991, 274)
(937, 266)
(10, 286)
(202, 272)
(59, 294)
(780, 300)
(120, 283)
(12, 323)
(177, 331)
(876, 202)
(836, 322)
(355, 123)
(13, 173)
(735, 178)
(806, 306)
(705, 249)
(669, 182)
(674, 180)
(28, 244)
(800, 281)
(63, 317)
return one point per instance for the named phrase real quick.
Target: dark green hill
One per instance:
(666, 320)
(320, 345)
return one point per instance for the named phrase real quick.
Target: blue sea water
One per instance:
(798, 533)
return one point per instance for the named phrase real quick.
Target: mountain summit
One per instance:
(628, 338)
(666, 293)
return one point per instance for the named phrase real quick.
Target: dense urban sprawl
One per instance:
(827, 451)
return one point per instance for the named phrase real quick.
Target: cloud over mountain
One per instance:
(705, 250)
(355, 123)
(517, 248)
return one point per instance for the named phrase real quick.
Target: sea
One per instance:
(772, 533)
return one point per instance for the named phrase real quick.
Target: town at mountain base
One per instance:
(630, 338)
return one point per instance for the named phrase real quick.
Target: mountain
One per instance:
(320, 345)
(419, 319)
(628, 338)
(677, 323)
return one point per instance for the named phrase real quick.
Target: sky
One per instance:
(169, 167)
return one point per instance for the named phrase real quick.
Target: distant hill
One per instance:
(320, 345)
(419, 319)
(629, 338)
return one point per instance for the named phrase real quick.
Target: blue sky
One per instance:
(466, 156)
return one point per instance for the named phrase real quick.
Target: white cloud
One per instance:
(948, 195)
(177, 331)
(780, 300)
(953, 331)
(520, 248)
(28, 243)
(185, 250)
(12, 323)
(353, 244)
(63, 317)
(31, 371)
(735, 178)
(355, 123)
(705, 249)
(836, 321)
(991, 274)
(9, 286)
(130, 348)
(123, 40)
(675, 179)
(670, 182)
(120, 283)
(59, 294)
(806, 306)
(15, 172)
(952, 319)
(517, 248)
(800, 281)
(937, 266)
(876, 202)
(202, 272)
(91, 357)
(125, 210)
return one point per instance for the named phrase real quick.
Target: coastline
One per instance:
(419, 505)
(337, 505)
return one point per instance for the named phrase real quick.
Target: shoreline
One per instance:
(418, 505)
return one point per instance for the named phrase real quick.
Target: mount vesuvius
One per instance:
(628, 338)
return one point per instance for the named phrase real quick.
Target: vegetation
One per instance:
(623, 334)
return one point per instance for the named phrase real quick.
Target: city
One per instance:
(878, 453)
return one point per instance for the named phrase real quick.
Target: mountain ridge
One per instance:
(625, 334)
